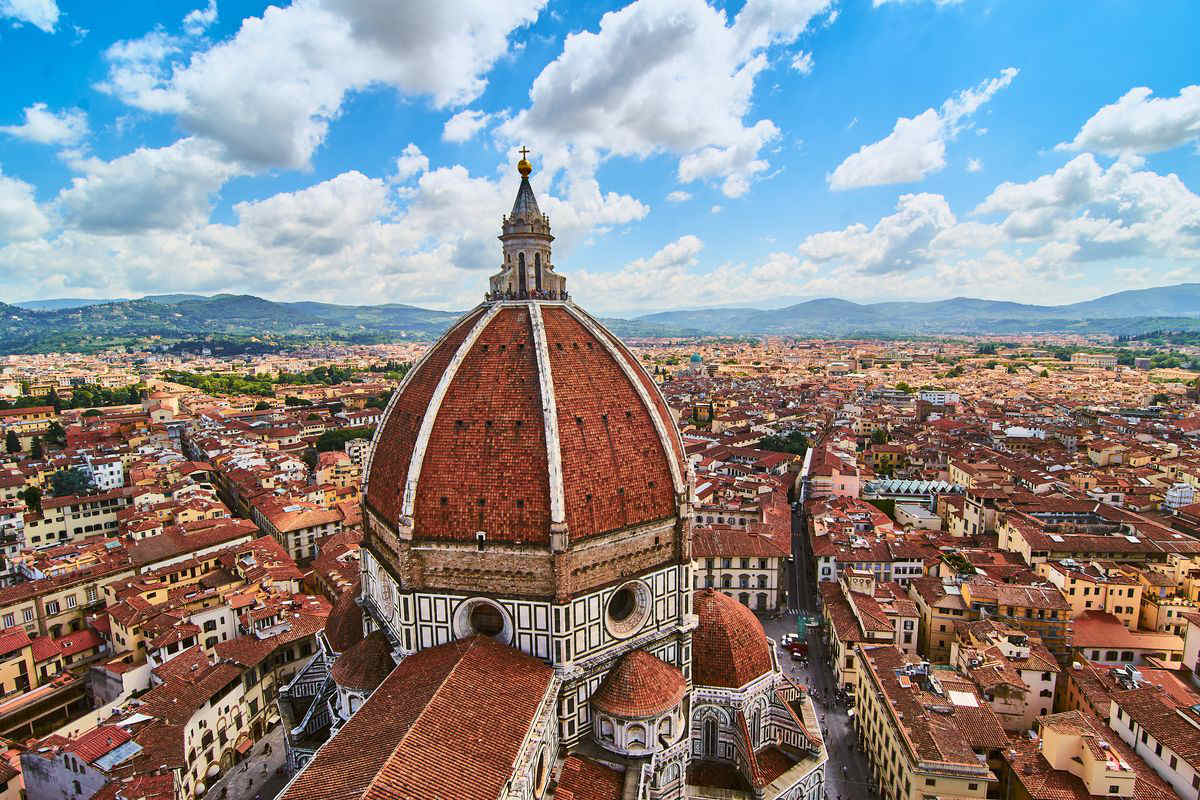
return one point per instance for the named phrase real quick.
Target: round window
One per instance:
(628, 609)
(622, 604)
(479, 615)
(486, 619)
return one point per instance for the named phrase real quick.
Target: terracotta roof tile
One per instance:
(729, 647)
(640, 685)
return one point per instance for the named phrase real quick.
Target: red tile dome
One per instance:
(344, 627)
(729, 647)
(640, 685)
(527, 416)
(364, 666)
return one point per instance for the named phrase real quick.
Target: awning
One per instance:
(243, 745)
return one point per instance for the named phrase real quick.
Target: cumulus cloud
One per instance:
(411, 162)
(1083, 212)
(151, 188)
(938, 3)
(20, 217)
(974, 165)
(42, 14)
(464, 125)
(896, 243)
(198, 20)
(802, 62)
(916, 147)
(670, 77)
(1138, 123)
(678, 196)
(269, 93)
(47, 127)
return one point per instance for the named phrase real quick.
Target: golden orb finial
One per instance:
(523, 166)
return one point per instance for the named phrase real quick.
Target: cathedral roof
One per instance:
(729, 647)
(344, 627)
(525, 415)
(448, 722)
(640, 685)
(365, 665)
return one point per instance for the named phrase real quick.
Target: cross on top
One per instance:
(524, 151)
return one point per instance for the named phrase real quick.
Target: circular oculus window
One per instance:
(482, 616)
(628, 609)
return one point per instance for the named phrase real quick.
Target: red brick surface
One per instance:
(640, 685)
(615, 472)
(583, 779)
(729, 647)
(485, 467)
(389, 464)
(365, 665)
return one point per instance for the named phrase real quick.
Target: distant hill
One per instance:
(59, 303)
(1168, 306)
(229, 323)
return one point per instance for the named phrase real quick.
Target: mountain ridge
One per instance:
(186, 320)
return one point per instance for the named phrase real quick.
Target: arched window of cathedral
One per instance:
(537, 270)
(635, 737)
(479, 615)
(710, 738)
(541, 775)
(606, 729)
(756, 727)
(522, 287)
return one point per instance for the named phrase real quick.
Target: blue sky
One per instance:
(689, 154)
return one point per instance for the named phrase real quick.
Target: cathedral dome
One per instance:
(527, 418)
(364, 666)
(729, 647)
(344, 627)
(640, 685)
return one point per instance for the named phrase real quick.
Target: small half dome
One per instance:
(729, 647)
(344, 628)
(364, 666)
(640, 685)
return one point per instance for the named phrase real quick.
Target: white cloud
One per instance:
(464, 125)
(974, 165)
(938, 3)
(198, 20)
(916, 147)
(802, 62)
(667, 76)
(896, 243)
(46, 127)
(41, 14)
(716, 209)
(411, 162)
(1139, 123)
(678, 196)
(20, 217)
(269, 93)
(149, 189)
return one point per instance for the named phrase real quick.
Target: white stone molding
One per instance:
(431, 413)
(664, 435)
(558, 503)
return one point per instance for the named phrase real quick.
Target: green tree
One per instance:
(69, 482)
(12, 444)
(38, 451)
(793, 442)
(1160, 399)
(310, 458)
(1045, 373)
(32, 496)
(262, 405)
(55, 433)
(879, 436)
(901, 386)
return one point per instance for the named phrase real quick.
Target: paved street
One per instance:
(840, 740)
(255, 776)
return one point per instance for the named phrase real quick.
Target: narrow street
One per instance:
(255, 776)
(855, 782)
